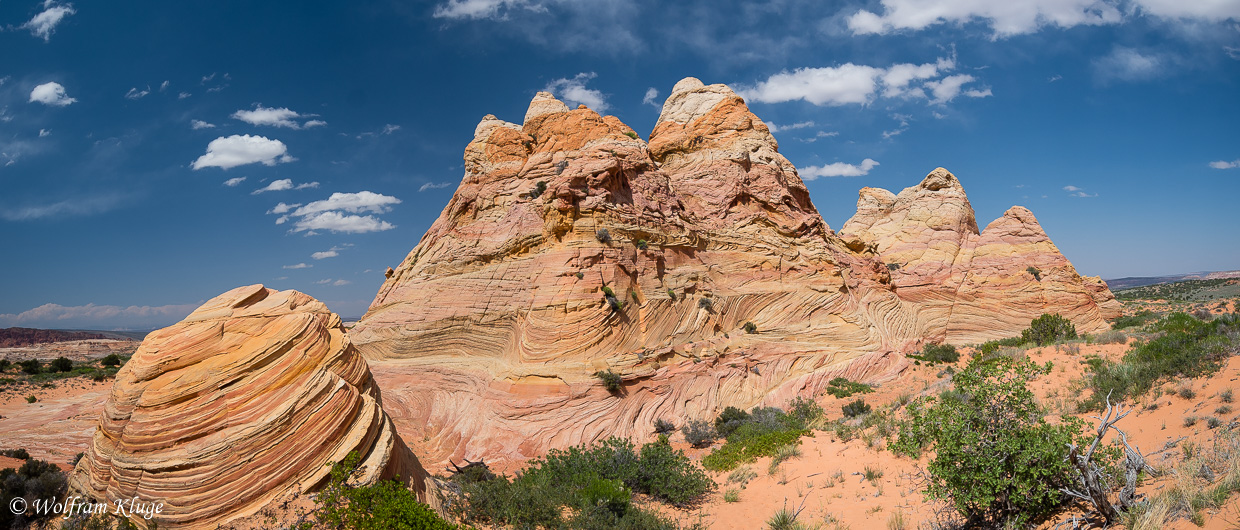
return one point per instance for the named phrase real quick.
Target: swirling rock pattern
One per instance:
(246, 400)
(485, 339)
(973, 286)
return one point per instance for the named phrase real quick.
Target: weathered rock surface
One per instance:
(243, 402)
(969, 285)
(487, 336)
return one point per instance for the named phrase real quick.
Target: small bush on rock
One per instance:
(611, 380)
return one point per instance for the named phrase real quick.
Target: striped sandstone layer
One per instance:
(969, 285)
(245, 401)
(486, 338)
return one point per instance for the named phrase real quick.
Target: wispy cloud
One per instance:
(433, 186)
(52, 94)
(231, 151)
(650, 98)
(1223, 164)
(573, 92)
(134, 93)
(838, 169)
(799, 125)
(1074, 191)
(44, 23)
(91, 316)
(276, 117)
(66, 208)
(1128, 64)
(298, 266)
(233, 182)
(284, 184)
(199, 124)
(1004, 18)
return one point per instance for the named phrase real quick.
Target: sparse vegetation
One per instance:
(750, 328)
(611, 380)
(842, 388)
(856, 408)
(706, 303)
(938, 353)
(732, 495)
(631, 134)
(31, 367)
(35, 479)
(385, 505)
(759, 432)
(662, 426)
(602, 235)
(61, 364)
(1140, 318)
(31, 399)
(112, 359)
(1037, 274)
(641, 244)
(698, 433)
(539, 188)
(671, 294)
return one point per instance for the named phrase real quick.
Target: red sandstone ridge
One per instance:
(487, 336)
(969, 285)
(243, 403)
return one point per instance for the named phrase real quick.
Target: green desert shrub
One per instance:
(996, 459)
(35, 479)
(539, 188)
(31, 399)
(1140, 318)
(1048, 329)
(602, 235)
(61, 364)
(759, 432)
(111, 359)
(385, 505)
(641, 244)
(31, 367)
(706, 303)
(939, 353)
(750, 327)
(671, 294)
(662, 426)
(19, 454)
(856, 408)
(611, 380)
(1035, 272)
(592, 486)
(992, 346)
(5, 364)
(842, 388)
(698, 433)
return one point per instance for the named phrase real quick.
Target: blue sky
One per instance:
(153, 155)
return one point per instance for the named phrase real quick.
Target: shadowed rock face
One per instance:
(241, 403)
(973, 286)
(485, 339)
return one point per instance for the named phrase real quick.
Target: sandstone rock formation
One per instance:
(572, 246)
(241, 403)
(972, 286)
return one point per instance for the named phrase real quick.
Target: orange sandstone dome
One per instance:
(247, 400)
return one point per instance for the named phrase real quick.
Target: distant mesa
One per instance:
(245, 402)
(572, 246)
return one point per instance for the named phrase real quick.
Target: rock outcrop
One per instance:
(487, 337)
(968, 285)
(245, 401)
(572, 247)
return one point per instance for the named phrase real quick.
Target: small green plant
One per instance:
(662, 426)
(856, 408)
(1226, 396)
(671, 294)
(111, 359)
(1048, 329)
(19, 454)
(602, 235)
(706, 303)
(1037, 274)
(1186, 392)
(842, 388)
(1213, 422)
(641, 244)
(698, 433)
(784, 519)
(1189, 421)
(732, 495)
(742, 475)
(31, 399)
(5, 364)
(872, 474)
(750, 328)
(1138, 319)
(539, 188)
(387, 504)
(611, 380)
(580, 275)
(729, 420)
(61, 364)
(631, 134)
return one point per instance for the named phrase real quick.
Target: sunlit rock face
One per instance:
(969, 285)
(247, 400)
(486, 338)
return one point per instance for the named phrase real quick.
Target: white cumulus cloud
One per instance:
(1004, 18)
(854, 84)
(338, 283)
(479, 9)
(276, 117)
(838, 169)
(341, 212)
(44, 23)
(325, 254)
(233, 182)
(573, 92)
(1223, 164)
(285, 184)
(52, 94)
(238, 150)
(91, 316)
(199, 124)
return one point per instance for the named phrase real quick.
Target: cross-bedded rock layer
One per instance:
(572, 246)
(247, 400)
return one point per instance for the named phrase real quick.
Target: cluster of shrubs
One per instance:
(61, 367)
(611, 380)
(760, 432)
(1184, 346)
(1048, 329)
(938, 353)
(385, 505)
(35, 479)
(585, 487)
(1139, 318)
(842, 388)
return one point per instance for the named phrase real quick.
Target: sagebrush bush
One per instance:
(751, 328)
(1049, 329)
(992, 346)
(602, 235)
(385, 505)
(698, 433)
(842, 388)
(111, 359)
(31, 367)
(996, 460)
(611, 380)
(61, 364)
(35, 479)
(856, 408)
(939, 353)
(662, 426)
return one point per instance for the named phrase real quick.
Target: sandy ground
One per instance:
(57, 426)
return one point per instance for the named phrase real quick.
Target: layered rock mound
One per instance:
(968, 285)
(573, 247)
(487, 337)
(247, 400)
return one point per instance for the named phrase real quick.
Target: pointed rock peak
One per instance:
(544, 103)
(939, 179)
(690, 100)
(489, 123)
(1022, 214)
(1016, 221)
